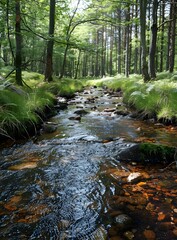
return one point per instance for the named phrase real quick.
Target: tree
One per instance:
(50, 43)
(153, 43)
(172, 33)
(18, 37)
(144, 65)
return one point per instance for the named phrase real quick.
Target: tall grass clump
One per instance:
(14, 113)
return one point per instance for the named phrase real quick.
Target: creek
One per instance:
(71, 183)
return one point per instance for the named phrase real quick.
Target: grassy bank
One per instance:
(156, 99)
(22, 109)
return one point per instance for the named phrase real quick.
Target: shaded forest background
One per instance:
(88, 38)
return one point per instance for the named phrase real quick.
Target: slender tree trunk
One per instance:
(136, 40)
(173, 36)
(153, 43)
(50, 43)
(8, 32)
(97, 55)
(111, 53)
(119, 43)
(103, 53)
(127, 42)
(77, 66)
(162, 35)
(18, 37)
(144, 65)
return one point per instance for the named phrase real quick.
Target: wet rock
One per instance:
(49, 127)
(63, 224)
(121, 112)
(109, 110)
(129, 235)
(134, 177)
(149, 235)
(112, 231)
(77, 118)
(165, 226)
(123, 222)
(150, 207)
(81, 112)
(61, 106)
(99, 234)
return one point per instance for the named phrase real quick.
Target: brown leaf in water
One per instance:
(137, 189)
(161, 216)
(141, 184)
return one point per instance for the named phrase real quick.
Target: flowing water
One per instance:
(59, 186)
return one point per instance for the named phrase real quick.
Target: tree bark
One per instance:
(173, 36)
(127, 42)
(50, 44)
(153, 43)
(18, 38)
(144, 65)
(162, 36)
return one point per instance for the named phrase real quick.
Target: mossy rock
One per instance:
(148, 153)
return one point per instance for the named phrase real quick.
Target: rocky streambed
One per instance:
(84, 176)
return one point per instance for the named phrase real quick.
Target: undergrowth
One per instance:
(155, 99)
(22, 108)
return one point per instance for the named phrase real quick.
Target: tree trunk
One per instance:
(50, 43)
(127, 42)
(162, 35)
(136, 40)
(111, 53)
(103, 53)
(173, 36)
(77, 66)
(119, 43)
(144, 65)
(153, 43)
(18, 37)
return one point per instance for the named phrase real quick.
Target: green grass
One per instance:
(153, 99)
(18, 110)
(22, 108)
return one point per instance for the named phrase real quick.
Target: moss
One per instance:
(156, 153)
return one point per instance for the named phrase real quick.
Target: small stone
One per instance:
(123, 222)
(134, 177)
(149, 234)
(175, 210)
(129, 235)
(150, 207)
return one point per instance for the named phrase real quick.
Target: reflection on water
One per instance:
(56, 188)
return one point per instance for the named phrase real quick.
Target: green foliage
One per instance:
(19, 111)
(153, 99)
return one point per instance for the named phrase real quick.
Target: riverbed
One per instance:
(71, 183)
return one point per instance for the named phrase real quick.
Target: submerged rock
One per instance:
(49, 127)
(81, 112)
(123, 222)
